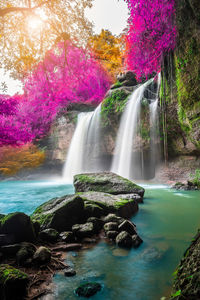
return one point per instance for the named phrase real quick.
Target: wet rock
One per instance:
(25, 252)
(36, 226)
(49, 235)
(67, 236)
(136, 240)
(136, 197)
(69, 272)
(127, 226)
(127, 77)
(108, 203)
(120, 252)
(111, 226)
(83, 230)
(111, 234)
(92, 209)
(112, 218)
(106, 182)
(88, 289)
(98, 223)
(13, 283)
(124, 239)
(42, 256)
(187, 280)
(189, 186)
(19, 225)
(60, 213)
(6, 239)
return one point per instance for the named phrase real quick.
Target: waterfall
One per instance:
(129, 157)
(84, 151)
(155, 147)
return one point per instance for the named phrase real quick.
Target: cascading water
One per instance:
(84, 151)
(129, 155)
(155, 147)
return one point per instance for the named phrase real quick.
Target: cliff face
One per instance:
(182, 82)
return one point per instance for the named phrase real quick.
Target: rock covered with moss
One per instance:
(60, 213)
(13, 283)
(187, 276)
(106, 182)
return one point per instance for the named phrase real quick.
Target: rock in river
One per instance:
(106, 182)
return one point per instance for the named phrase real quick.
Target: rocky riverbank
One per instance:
(187, 275)
(33, 248)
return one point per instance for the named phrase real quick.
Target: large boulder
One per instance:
(108, 203)
(19, 225)
(60, 213)
(13, 283)
(106, 182)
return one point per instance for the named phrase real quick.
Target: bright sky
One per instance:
(108, 14)
(105, 14)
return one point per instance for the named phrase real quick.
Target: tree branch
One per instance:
(7, 10)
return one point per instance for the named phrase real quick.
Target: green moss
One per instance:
(115, 104)
(177, 293)
(9, 273)
(117, 85)
(123, 202)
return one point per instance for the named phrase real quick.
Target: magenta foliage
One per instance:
(68, 74)
(152, 34)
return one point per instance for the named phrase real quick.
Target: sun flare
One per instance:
(34, 23)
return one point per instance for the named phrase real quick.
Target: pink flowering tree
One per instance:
(67, 74)
(152, 34)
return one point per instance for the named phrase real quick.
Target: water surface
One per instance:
(166, 221)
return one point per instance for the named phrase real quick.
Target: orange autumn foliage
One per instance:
(12, 160)
(109, 49)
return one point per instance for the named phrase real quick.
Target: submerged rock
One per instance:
(106, 182)
(69, 272)
(13, 283)
(19, 225)
(88, 289)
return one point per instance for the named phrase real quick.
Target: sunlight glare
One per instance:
(34, 23)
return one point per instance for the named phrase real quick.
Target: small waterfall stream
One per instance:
(84, 151)
(129, 160)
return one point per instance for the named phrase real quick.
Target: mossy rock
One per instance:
(13, 283)
(60, 213)
(106, 182)
(108, 203)
(20, 225)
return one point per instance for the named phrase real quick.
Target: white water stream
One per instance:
(84, 151)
